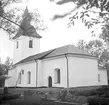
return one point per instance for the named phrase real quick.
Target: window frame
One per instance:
(99, 80)
(17, 44)
(57, 76)
(28, 77)
(20, 77)
(30, 43)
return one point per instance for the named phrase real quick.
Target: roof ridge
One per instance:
(41, 57)
(47, 54)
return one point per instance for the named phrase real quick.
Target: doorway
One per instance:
(49, 81)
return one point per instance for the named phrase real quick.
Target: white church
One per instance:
(66, 66)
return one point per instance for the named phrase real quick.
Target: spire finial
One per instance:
(26, 3)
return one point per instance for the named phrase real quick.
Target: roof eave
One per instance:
(88, 56)
(15, 37)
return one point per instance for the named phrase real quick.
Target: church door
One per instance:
(49, 81)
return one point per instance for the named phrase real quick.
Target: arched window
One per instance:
(28, 77)
(17, 44)
(30, 43)
(57, 75)
(20, 78)
(98, 77)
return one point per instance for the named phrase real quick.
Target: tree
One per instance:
(105, 33)
(6, 17)
(96, 48)
(98, 8)
(10, 21)
(1, 69)
(5, 67)
(81, 44)
(8, 64)
(102, 5)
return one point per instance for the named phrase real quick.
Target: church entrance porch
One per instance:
(49, 81)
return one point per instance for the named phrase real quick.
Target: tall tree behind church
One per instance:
(96, 48)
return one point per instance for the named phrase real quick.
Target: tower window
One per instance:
(57, 75)
(28, 77)
(17, 44)
(30, 43)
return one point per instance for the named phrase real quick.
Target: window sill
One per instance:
(57, 83)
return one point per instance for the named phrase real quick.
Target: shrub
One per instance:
(96, 100)
(69, 97)
(104, 91)
(86, 92)
(62, 95)
(80, 92)
(81, 99)
(95, 96)
(66, 95)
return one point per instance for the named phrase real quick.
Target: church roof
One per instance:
(35, 57)
(26, 29)
(68, 49)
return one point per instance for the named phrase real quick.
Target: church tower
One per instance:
(27, 40)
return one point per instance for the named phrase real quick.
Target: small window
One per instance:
(57, 75)
(19, 78)
(22, 71)
(17, 44)
(30, 43)
(98, 77)
(29, 77)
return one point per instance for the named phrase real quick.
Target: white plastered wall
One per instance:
(40, 80)
(49, 65)
(29, 66)
(103, 76)
(23, 49)
(11, 81)
(83, 72)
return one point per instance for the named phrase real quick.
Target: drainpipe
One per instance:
(36, 73)
(67, 71)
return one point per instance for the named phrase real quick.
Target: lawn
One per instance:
(32, 96)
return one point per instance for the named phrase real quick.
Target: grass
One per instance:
(31, 96)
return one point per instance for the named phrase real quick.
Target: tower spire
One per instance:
(27, 29)
(26, 12)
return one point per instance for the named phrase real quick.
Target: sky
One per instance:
(58, 34)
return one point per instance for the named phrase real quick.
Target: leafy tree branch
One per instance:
(91, 12)
(10, 21)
